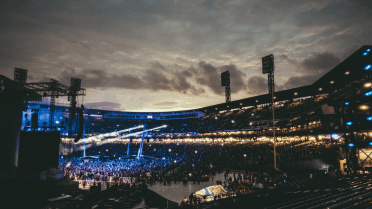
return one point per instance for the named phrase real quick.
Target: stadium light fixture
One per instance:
(367, 67)
(368, 93)
(363, 107)
(334, 136)
(349, 123)
(350, 144)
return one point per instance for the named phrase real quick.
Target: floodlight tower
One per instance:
(225, 81)
(268, 67)
(20, 75)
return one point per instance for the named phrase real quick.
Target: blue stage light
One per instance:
(349, 123)
(284, 181)
(368, 93)
(369, 118)
(365, 53)
(350, 145)
(368, 50)
(370, 144)
(367, 67)
(347, 103)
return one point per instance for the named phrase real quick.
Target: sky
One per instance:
(154, 55)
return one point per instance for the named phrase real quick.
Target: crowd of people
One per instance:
(183, 162)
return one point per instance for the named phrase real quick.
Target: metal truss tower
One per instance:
(53, 89)
(140, 150)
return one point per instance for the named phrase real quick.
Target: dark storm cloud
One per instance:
(93, 78)
(159, 77)
(108, 43)
(103, 106)
(311, 68)
(319, 63)
(257, 85)
(298, 81)
(210, 76)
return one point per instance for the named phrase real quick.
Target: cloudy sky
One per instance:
(153, 55)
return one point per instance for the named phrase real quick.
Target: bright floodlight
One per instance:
(368, 50)
(367, 67)
(350, 145)
(365, 53)
(349, 123)
(368, 93)
(334, 136)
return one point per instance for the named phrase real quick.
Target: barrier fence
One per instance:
(104, 184)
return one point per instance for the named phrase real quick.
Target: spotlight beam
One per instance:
(102, 136)
(140, 132)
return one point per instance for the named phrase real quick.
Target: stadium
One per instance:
(312, 147)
